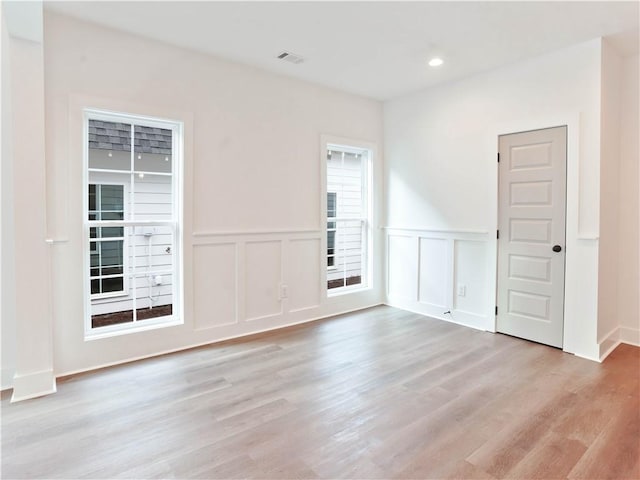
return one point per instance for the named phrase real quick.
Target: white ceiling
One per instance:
(375, 49)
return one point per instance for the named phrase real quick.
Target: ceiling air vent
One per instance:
(290, 57)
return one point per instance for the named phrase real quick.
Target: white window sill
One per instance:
(127, 328)
(337, 292)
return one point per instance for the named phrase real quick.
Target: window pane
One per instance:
(112, 215)
(154, 296)
(109, 145)
(331, 242)
(108, 232)
(115, 284)
(92, 199)
(154, 248)
(111, 197)
(95, 286)
(112, 271)
(349, 254)
(93, 233)
(153, 149)
(111, 253)
(331, 204)
(155, 312)
(111, 318)
(95, 259)
(153, 197)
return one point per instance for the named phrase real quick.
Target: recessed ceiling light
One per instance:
(435, 62)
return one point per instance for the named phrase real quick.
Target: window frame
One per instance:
(176, 223)
(350, 146)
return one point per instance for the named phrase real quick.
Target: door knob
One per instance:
(557, 248)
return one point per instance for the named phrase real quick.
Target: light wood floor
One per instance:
(381, 393)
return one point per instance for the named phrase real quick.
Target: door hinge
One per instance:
(498, 234)
(496, 310)
(498, 157)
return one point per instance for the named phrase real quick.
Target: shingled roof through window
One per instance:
(117, 137)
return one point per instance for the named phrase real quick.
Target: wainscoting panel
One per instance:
(215, 285)
(470, 276)
(263, 276)
(434, 271)
(245, 282)
(444, 274)
(303, 273)
(402, 267)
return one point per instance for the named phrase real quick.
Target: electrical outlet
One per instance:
(462, 290)
(284, 291)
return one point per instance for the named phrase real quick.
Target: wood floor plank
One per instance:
(375, 394)
(615, 453)
(552, 457)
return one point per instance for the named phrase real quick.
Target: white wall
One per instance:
(29, 229)
(252, 185)
(441, 186)
(254, 137)
(608, 264)
(629, 196)
(7, 272)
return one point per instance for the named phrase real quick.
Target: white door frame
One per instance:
(574, 328)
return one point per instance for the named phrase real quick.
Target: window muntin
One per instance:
(348, 223)
(132, 219)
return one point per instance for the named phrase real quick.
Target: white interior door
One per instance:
(531, 243)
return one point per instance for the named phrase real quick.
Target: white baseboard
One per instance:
(630, 336)
(608, 343)
(591, 357)
(617, 336)
(33, 385)
(459, 317)
(218, 340)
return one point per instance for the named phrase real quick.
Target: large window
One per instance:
(132, 219)
(348, 218)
